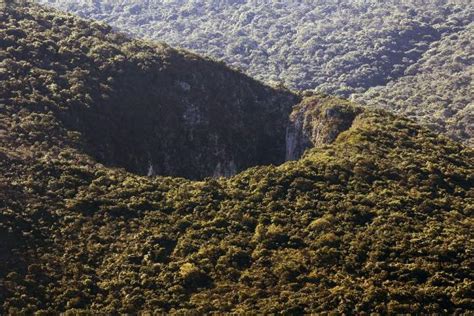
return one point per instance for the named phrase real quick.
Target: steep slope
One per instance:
(318, 121)
(378, 218)
(144, 107)
(337, 46)
(378, 221)
(437, 90)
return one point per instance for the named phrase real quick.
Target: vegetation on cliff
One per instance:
(141, 106)
(378, 221)
(378, 218)
(418, 56)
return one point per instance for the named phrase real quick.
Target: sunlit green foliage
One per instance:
(133, 104)
(378, 221)
(417, 57)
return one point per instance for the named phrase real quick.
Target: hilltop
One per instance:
(415, 57)
(336, 46)
(132, 104)
(373, 214)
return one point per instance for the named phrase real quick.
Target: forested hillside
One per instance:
(339, 47)
(376, 218)
(437, 90)
(141, 106)
(380, 221)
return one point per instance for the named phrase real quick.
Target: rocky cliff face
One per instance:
(136, 105)
(145, 107)
(378, 221)
(317, 121)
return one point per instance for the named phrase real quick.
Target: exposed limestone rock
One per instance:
(134, 104)
(317, 121)
(225, 169)
(184, 85)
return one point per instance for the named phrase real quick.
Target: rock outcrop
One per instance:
(141, 106)
(317, 121)
(379, 221)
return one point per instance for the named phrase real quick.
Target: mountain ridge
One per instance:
(336, 47)
(144, 107)
(375, 218)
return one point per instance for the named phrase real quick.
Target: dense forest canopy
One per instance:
(376, 218)
(338, 47)
(437, 89)
(141, 106)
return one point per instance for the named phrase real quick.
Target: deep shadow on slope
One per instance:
(144, 107)
(377, 221)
